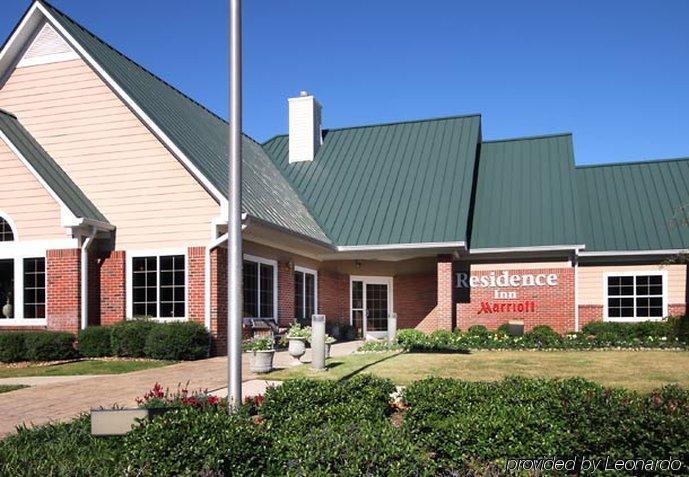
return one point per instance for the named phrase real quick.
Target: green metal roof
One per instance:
(202, 136)
(47, 168)
(525, 193)
(635, 206)
(418, 181)
(393, 183)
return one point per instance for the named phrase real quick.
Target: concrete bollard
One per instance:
(318, 342)
(392, 328)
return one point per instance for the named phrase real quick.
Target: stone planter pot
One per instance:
(261, 361)
(297, 347)
(327, 349)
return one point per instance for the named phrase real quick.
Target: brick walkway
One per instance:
(67, 399)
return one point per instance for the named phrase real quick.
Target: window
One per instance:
(260, 283)
(304, 294)
(34, 288)
(635, 297)
(6, 232)
(159, 286)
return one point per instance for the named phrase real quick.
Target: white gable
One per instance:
(47, 47)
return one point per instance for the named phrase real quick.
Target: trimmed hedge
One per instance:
(471, 425)
(135, 338)
(50, 346)
(178, 341)
(95, 341)
(192, 441)
(670, 333)
(440, 427)
(12, 347)
(128, 338)
(36, 346)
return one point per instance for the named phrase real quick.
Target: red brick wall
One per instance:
(554, 305)
(63, 270)
(196, 302)
(415, 298)
(219, 300)
(589, 313)
(333, 296)
(285, 294)
(112, 300)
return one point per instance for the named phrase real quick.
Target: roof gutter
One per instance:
(541, 248)
(400, 246)
(633, 253)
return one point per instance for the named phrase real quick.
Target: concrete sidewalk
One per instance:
(64, 399)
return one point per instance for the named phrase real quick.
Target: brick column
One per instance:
(445, 308)
(63, 274)
(285, 294)
(218, 283)
(333, 296)
(196, 298)
(112, 297)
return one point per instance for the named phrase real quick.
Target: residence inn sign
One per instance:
(505, 289)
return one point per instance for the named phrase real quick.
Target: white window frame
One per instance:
(635, 273)
(18, 251)
(130, 280)
(313, 272)
(274, 264)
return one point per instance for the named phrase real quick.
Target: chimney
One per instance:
(304, 128)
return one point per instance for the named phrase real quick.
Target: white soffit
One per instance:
(47, 47)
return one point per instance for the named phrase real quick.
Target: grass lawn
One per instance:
(5, 388)
(81, 367)
(636, 370)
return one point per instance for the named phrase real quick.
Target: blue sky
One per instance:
(614, 73)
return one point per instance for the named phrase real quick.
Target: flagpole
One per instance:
(234, 222)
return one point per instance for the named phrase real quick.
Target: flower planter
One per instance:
(261, 361)
(297, 347)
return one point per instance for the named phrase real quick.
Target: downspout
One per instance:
(576, 289)
(86, 244)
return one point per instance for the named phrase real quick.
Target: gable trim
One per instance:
(134, 107)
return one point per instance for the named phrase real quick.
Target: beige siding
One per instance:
(119, 164)
(518, 266)
(35, 213)
(592, 291)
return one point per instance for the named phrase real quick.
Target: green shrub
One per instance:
(128, 338)
(49, 346)
(680, 327)
(60, 449)
(463, 423)
(504, 329)
(409, 337)
(361, 447)
(95, 341)
(184, 340)
(478, 330)
(12, 347)
(191, 441)
(542, 336)
(303, 403)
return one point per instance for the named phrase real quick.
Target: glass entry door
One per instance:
(371, 304)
